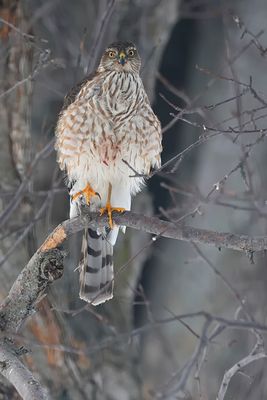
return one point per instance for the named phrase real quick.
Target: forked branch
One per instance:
(46, 265)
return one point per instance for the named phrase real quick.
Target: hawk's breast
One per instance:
(109, 122)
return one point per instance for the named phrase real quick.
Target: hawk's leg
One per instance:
(108, 209)
(87, 192)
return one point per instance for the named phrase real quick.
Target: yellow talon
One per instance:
(87, 192)
(108, 209)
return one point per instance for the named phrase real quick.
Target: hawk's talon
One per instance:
(87, 192)
(109, 210)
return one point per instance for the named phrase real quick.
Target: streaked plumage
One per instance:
(105, 120)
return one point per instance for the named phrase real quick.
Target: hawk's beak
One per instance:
(122, 58)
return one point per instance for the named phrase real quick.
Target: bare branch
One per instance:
(47, 263)
(100, 30)
(159, 227)
(236, 368)
(11, 207)
(18, 375)
(42, 269)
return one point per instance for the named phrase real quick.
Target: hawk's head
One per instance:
(120, 56)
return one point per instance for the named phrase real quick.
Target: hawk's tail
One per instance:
(96, 268)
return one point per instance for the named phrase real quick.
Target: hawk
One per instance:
(106, 127)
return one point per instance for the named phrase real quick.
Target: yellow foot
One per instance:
(108, 209)
(87, 192)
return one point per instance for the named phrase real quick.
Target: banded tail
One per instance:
(96, 268)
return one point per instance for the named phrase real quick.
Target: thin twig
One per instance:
(99, 34)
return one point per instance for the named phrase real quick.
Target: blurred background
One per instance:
(204, 68)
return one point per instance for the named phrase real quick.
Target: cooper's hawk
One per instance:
(106, 119)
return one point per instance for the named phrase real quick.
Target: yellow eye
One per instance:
(111, 54)
(131, 53)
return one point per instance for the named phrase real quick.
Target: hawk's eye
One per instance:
(111, 54)
(131, 53)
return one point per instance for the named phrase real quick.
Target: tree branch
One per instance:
(157, 227)
(18, 375)
(42, 269)
(46, 265)
(29, 287)
(236, 368)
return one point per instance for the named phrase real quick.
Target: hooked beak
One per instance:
(122, 58)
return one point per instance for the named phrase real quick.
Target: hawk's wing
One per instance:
(96, 265)
(74, 91)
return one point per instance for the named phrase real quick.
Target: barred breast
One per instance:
(109, 121)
